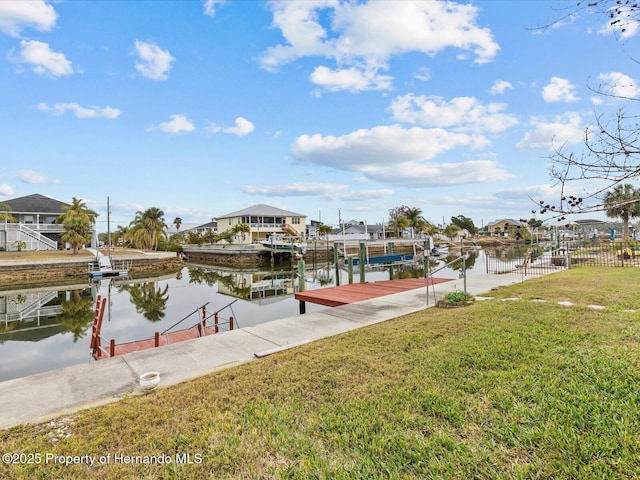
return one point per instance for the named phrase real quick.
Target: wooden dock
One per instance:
(160, 340)
(356, 292)
(208, 325)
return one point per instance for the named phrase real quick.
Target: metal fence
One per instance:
(539, 259)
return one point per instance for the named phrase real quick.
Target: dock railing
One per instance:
(212, 322)
(430, 273)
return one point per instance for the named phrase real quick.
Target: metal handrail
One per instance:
(184, 318)
(464, 273)
(197, 310)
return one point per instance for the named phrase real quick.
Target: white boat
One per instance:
(437, 250)
(280, 243)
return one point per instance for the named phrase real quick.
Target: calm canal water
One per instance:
(44, 329)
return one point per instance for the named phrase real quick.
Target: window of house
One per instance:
(295, 220)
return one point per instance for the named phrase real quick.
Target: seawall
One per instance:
(30, 272)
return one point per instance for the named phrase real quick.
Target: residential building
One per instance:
(503, 227)
(263, 221)
(35, 225)
(211, 226)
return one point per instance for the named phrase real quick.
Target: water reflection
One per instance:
(76, 314)
(246, 285)
(47, 328)
(149, 298)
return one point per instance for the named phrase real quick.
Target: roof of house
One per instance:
(213, 224)
(363, 228)
(508, 220)
(263, 210)
(36, 203)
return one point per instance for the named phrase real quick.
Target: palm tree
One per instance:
(623, 202)
(416, 220)
(121, 235)
(78, 222)
(5, 214)
(177, 222)
(147, 228)
(324, 230)
(399, 224)
(242, 228)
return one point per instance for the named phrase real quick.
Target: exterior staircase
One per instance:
(34, 240)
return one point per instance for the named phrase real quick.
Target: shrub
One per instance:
(458, 296)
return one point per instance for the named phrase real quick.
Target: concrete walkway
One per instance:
(40, 397)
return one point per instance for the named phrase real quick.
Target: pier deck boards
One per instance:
(166, 339)
(356, 292)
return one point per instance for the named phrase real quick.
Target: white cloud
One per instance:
(178, 124)
(567, 128)
(211, 5)
(623, 22)
(500, 86)
(6, 190)
(351, 79)
(17, 15)
(619, 85)
(364, 36)
(415, 174)
(423, 74)
(464, 113)
(559, 90)
(79, 111)
(395, 155)
(242, 127)
(329, 191)
(32, 177)
(42, 59)
(153, 62)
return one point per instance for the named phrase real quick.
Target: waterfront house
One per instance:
(504, 227)
(35, 225)
(264, 220)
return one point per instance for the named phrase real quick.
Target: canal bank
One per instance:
(33, 269)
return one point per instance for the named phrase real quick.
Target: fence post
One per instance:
(336, 263)
(230, 323)
(156, 339)
(112, 348)
(301, 284)
(215, 322)
(362, 260)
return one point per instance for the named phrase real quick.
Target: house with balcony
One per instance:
(505, 227)
(35, 223)
(264, 220)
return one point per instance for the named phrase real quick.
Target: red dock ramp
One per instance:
(356, 292)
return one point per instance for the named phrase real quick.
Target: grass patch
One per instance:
(495, 390)
(609, 286)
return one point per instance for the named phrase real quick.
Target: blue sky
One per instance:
(201, 108)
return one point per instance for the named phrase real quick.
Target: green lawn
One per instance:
(499, 389)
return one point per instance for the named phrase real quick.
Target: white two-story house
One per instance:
(264, 220)
(35, 223)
